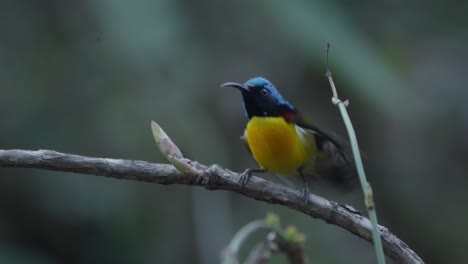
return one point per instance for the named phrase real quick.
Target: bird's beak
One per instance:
(238, 86)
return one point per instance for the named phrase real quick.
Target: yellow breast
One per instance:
(277, 145)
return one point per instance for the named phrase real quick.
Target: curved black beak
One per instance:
(238, 86)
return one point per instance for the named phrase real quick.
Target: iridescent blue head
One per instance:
(261, 98)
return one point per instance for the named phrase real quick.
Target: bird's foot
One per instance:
(305, 194)
(245, 176)
(305, 191)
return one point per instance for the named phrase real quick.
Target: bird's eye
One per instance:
(264, 91)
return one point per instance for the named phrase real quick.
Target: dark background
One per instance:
(86, 77)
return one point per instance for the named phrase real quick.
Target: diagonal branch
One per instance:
(212, 178)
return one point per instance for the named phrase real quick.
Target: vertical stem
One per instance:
(366, 187)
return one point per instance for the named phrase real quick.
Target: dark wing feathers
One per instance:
(336, 166)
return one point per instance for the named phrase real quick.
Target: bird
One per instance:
(284, 142)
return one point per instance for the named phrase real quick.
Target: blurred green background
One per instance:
(86, 77)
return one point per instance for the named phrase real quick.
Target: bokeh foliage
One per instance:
(86, 77)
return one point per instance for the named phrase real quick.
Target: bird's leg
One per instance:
(245, 176)
(305, 191)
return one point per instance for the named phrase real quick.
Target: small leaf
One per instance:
(293, 235)
(273, 221)
(300, 238)
(165, 144)
(290, 232)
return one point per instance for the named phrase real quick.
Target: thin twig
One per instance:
(335, 99)
(212, 178)
(239, 238)
(261, 253)
(288, 241)
(366, 187)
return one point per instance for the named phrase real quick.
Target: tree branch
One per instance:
(212, 178)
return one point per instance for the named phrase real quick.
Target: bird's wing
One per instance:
(336, 163)
(322, 137)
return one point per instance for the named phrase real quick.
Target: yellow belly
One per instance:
(277, 146)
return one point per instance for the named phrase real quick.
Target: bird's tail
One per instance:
(335, 163)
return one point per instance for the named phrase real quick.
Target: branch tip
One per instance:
(328, 52)
(165, 144)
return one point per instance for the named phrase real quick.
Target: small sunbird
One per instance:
(283, 142)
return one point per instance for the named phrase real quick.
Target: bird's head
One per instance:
(261, 98)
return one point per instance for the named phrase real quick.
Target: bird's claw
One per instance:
(305, 191)
(244, 178)
(305, 195)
